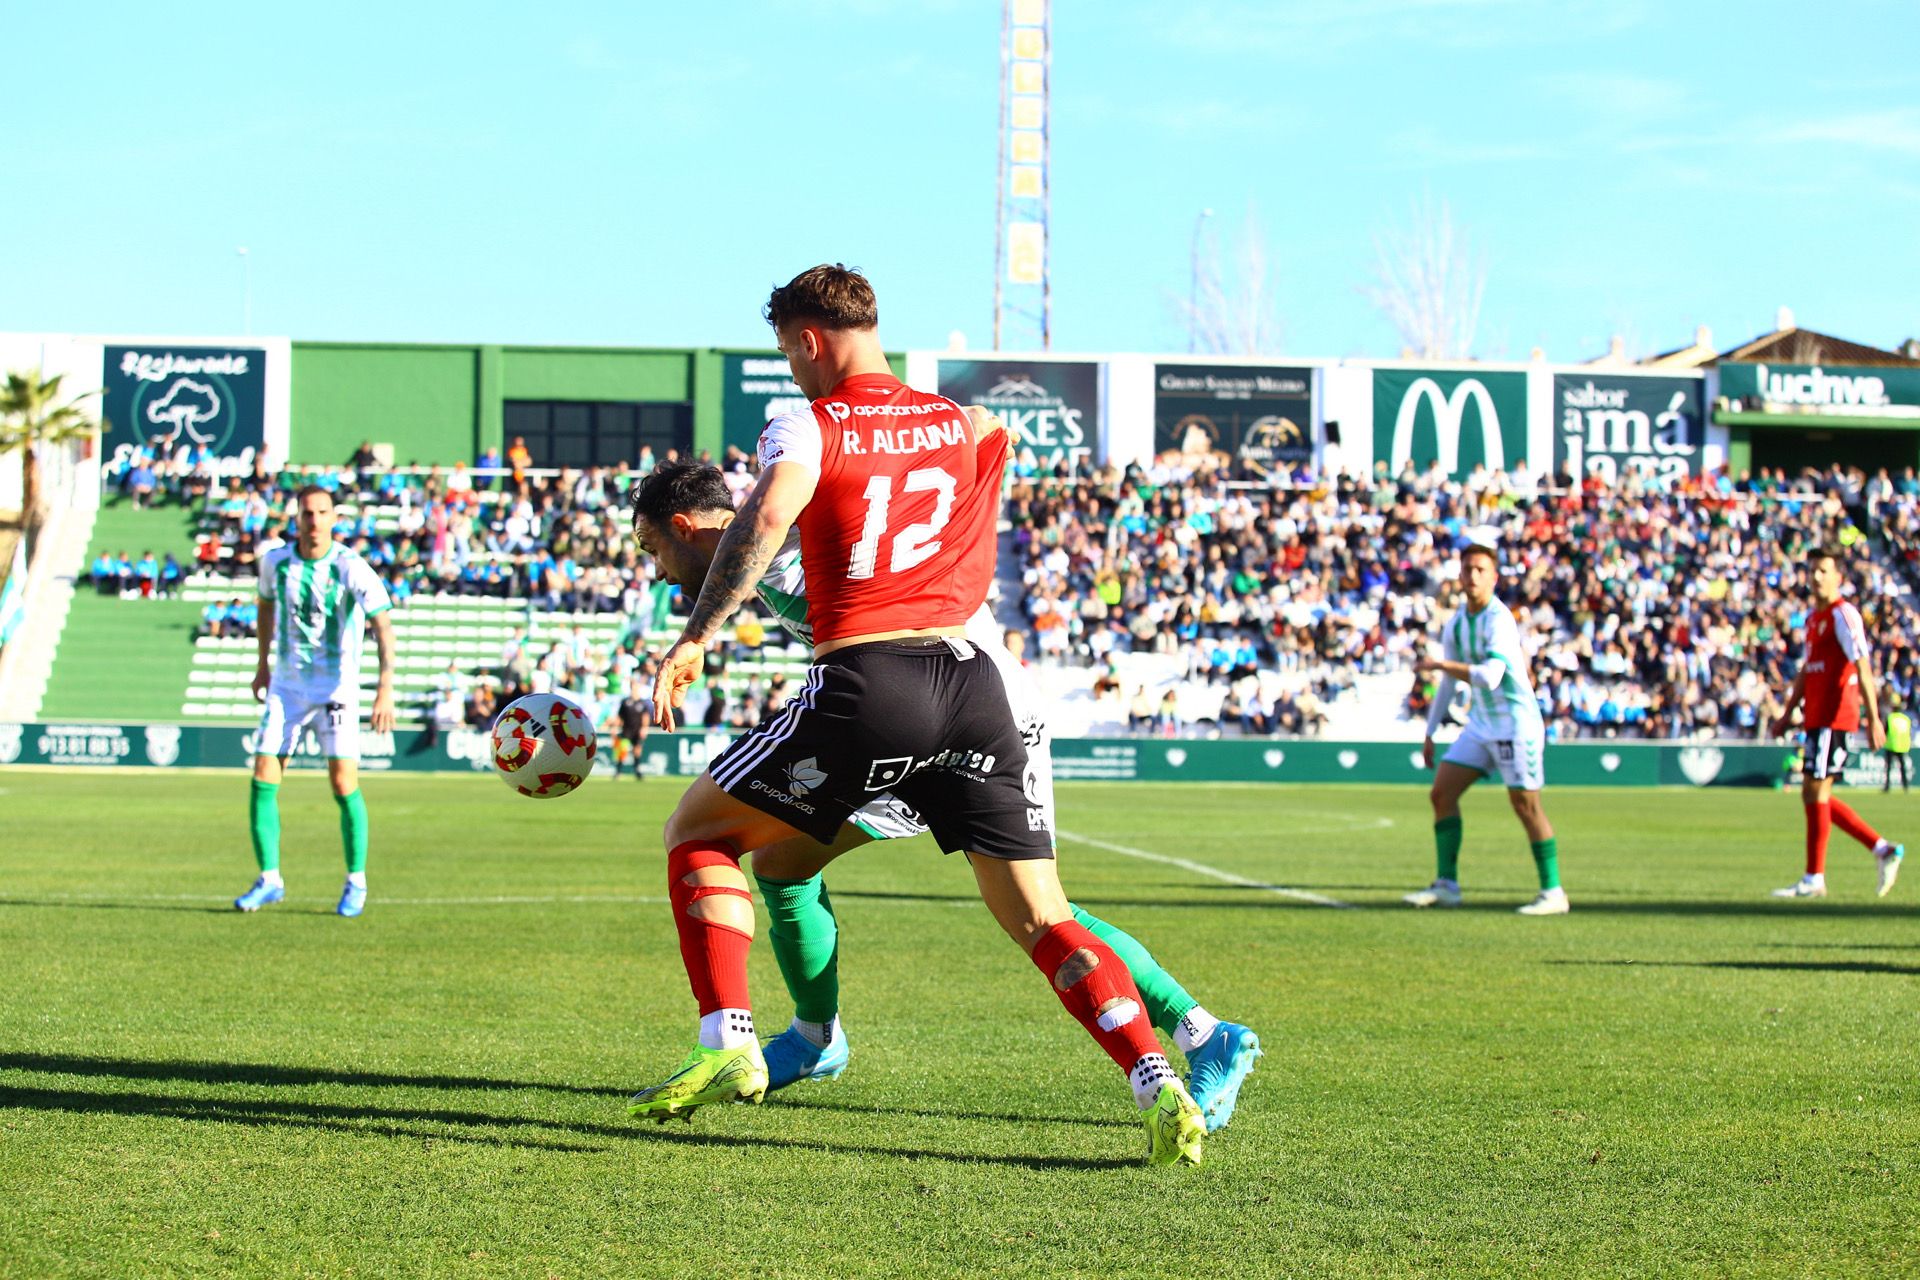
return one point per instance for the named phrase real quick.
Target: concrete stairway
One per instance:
(28, 660)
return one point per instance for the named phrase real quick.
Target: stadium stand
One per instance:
(1147, 601)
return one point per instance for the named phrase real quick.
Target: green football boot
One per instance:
(1176, 1131)
(705, 1075)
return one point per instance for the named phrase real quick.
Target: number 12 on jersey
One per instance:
(913, 544)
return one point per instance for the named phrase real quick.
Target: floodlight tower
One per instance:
(1022, 280)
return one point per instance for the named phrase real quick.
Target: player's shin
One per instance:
(1546, 861)
(1852, 823)
(806, 943)
(1819, 823)
(1097, 990)
(1447, 835)
(715, 953)
(263, 813)
(353, 831)
(1167, 1003)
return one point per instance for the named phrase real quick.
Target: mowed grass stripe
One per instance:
(1683, 1077)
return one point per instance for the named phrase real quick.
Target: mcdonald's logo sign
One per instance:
(1458, 418)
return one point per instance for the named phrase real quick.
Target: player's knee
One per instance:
(1075, 969)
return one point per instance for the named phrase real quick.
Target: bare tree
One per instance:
(1230, 306)
(1428, 281)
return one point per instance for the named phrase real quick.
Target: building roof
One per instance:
(1791, 345)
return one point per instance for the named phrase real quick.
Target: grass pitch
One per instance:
(1682, 1077)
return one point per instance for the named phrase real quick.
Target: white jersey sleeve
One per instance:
(794, 436)
(368, 588)
(267, 560)
(1851, 631)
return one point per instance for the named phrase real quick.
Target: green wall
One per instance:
(420, 399)
(444, 403)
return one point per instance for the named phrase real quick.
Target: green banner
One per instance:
(755, 389)
(685, 755)
(1859, 390)
(1611, 426)
(1459, 417)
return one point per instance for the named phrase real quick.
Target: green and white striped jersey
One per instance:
(320, 611)
(783, 589)
(1507, 708)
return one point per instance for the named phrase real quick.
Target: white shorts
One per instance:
(333, 715)
(890, 818)
(1519, 761)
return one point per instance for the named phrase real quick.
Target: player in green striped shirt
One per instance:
(317, 598)
(1504, 735)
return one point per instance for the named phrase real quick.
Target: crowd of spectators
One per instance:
(1650, 613)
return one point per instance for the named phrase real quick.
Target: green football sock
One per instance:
(1546, 860)
(806, 943)
(1446, 846)
(263, 812)
(1166, 1000)
(353, 830)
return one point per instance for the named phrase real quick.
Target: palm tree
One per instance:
(30, 419)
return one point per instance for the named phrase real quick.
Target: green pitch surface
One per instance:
(1682, 1077)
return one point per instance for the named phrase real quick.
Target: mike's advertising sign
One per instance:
(1051, 406)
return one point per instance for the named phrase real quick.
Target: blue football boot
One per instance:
(792, 1057)
(1217, 1069)
(353, 899)
(261, 895)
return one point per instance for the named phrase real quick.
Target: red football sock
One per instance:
(1819, 822)
(1850, 822)
(715, 954)
(1093, 982)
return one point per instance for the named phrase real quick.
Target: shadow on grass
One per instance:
(262, 1073)
(67, 905)
(300, 1115)
(1764, 966)
(423, 1122)
(687, 1137)
(930, 1113)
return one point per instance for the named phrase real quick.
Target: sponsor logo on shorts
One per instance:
(783, 797)
(1036, 819)
(805, 776)
(890, 772)
(882, 774)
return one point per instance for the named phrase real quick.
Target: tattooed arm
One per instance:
(746, 549)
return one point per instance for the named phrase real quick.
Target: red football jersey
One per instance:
(900, 534)
(1835, 638)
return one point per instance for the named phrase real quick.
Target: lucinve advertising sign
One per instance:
(1611, 427)
(1461, 418)
(185, 396)
(1866, 391)
(1052, 406)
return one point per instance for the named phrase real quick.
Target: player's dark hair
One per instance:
(1478, 549)
(680, 489)
(306, 491)
(1828, 552)
(831, 295)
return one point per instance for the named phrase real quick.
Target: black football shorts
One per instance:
(926, 719)
(1826, 752)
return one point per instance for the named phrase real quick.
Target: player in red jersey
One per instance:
(1836, 677)
(896, 495)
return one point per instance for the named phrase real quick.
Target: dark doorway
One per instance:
(587, 433)
(1868, 448)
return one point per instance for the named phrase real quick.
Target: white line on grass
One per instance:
(1212, 873)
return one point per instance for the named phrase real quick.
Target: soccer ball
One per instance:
(543, 746)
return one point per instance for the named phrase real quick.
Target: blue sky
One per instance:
(630, 173)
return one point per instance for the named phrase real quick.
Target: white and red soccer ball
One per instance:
(543, 746)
